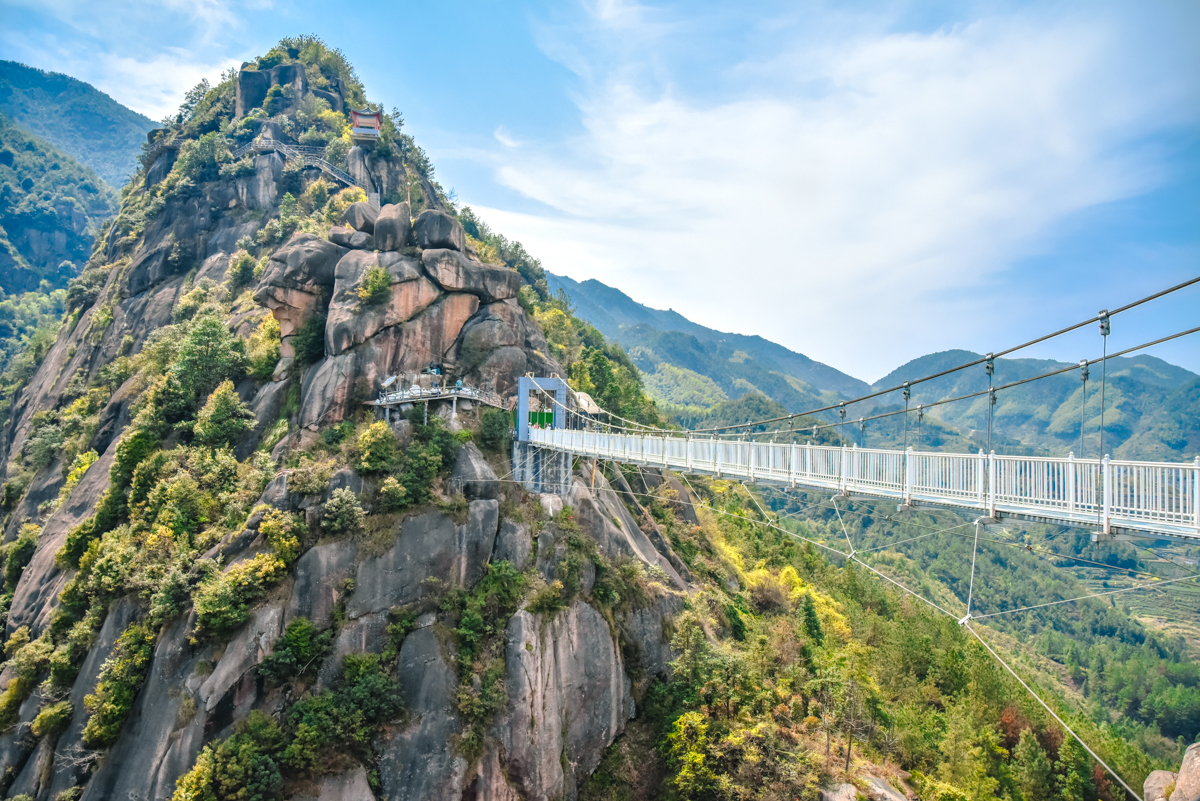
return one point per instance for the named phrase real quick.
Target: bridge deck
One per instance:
(1148, 498)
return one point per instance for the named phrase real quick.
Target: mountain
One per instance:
(225, 574)
(77, 118)
(50, 209)
(1151, 407)
(691, 365)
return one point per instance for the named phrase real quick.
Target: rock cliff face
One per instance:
(569, 690)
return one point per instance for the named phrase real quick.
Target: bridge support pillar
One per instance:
(541, 469)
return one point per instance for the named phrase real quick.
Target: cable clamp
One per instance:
(964, 620)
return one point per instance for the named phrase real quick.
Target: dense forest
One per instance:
(50, 208)
(75, 117)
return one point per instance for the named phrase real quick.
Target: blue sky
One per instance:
(862, 182)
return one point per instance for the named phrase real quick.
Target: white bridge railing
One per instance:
(1139, 496)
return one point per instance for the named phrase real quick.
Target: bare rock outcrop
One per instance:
(474, 474)
(1158, 785)
(454, 272)
(361, 216)
(297, 283)
(350, 321)
(437, 229)
(393, 227)
(1187, 781)
(419, 760)
(569, 697)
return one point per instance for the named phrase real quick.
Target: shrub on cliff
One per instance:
(379, 450)
(224, 419)
(121, 678)
(376, 287)
(343, 513)
(223, 601)
(494, 431)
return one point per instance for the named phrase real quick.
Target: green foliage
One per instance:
(481, 616)
(224, 419)
(240, 767)
(495, 430)
(241, 268)
(311, 476)
(378, 448)
(78, 118)
(812, 623)
(297, 654)
(222, 601)
(17, 555)
(392, 495)
(375, 288)
(282, 531)
(42, 194)
(262, 349)
(52, 719)
(121, 678)
(308, 342)
(512, 254)
(344, 719)
(343, 513)
(321, 731)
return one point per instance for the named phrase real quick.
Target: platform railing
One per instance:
(1140, 496)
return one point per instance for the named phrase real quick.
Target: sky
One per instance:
(864, 183)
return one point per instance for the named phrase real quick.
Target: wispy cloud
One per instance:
(854, 181)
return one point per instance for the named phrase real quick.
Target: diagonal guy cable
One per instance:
(1150, 585)
(1061, 722)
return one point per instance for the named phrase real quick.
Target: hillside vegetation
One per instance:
(77, 118)
(50, 209)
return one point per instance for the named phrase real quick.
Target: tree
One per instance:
(343, 514)
(376, 286)
(494, 430)
(379, 450)
(208, 355)
(812, 624)
(224, 418)
(1031, 767)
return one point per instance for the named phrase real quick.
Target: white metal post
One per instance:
(750, 462)
(991, 465)
(1196, 493)
(979, 479)
(1107, 495)
(793, 455)
(1071, 481)
(845, 467)
(909, 459)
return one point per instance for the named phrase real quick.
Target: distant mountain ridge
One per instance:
(757, 363)
(1152, 408)
(75, 117)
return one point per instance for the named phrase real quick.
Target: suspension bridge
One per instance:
(1113, 498)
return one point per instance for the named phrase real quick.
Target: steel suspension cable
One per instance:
(974, 362)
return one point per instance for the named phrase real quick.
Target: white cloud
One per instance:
(145, 66)
(857, 221)
(505, 138)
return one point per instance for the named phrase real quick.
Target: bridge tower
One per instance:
(541, 469)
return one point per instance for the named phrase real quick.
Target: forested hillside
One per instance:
(77, 118)
(1151, 408)
(690, 365)
(51, 207)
